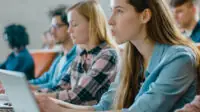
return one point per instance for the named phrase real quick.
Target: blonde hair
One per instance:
(98, 26)
(160, 29)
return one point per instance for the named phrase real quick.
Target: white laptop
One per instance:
(18, 92)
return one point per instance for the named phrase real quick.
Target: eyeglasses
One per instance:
(57, 26)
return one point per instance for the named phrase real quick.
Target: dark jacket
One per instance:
(23, 62)
(195, 36)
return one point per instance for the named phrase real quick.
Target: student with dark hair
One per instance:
(186, 13)
(59, 26)
(59, 11)
(20, 59)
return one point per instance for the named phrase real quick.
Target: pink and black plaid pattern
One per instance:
(90, 75)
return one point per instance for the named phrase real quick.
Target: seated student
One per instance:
(155, 51)
(95, 68)
(187, 16)
(49, 42)
(20, 59)
(59, 27)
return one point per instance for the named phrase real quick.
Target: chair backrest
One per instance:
(43, 60)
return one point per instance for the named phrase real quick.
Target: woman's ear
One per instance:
(145, 16)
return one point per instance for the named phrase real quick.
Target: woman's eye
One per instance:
(119, 11)
(74, 25)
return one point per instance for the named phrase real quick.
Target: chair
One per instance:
(42, 60)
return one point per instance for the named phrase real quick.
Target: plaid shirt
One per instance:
(90, 75)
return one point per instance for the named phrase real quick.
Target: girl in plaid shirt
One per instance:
(92, 72)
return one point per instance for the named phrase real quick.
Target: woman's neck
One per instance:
(145, 47)
(67, 46)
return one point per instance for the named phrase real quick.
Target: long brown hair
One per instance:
(98, 25)
(160, 29)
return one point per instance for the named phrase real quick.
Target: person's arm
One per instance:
(73, 110)
(172, 82)
(48, 84)
(104, 105)
(50, 105)
(102, 72)
(107, 98)
(71, 106)
(43, 79)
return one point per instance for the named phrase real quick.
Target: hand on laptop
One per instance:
(47, 105)
(62, 103)
(52, 95)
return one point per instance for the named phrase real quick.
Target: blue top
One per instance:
(22, 62)
(170, 82)
(47, 80)
(195, 36)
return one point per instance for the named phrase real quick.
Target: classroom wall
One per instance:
(32, 14)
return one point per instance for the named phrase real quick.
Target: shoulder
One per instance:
(108, 53)
(25, 56)
(178, 52)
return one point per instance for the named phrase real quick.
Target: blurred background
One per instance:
(33, 14)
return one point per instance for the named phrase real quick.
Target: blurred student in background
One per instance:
(19, 59)
(49, 42)
(186, 13)
(58, 30)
